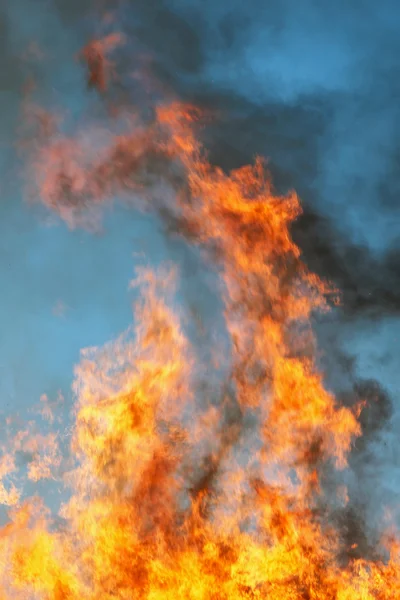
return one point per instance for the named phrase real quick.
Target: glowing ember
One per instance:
(176, 493)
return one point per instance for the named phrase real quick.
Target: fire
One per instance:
(98, 67)
(176, 492)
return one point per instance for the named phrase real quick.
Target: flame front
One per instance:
(177, 492)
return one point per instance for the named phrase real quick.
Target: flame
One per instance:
(176, 492)
(98, 66)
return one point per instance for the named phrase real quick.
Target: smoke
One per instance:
(315, 89)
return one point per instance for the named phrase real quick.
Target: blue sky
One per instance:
(63, 290)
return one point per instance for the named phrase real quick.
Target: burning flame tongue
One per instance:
(163, 504)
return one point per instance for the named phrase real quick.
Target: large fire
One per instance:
(179, 489)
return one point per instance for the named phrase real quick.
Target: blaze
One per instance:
(177, 492)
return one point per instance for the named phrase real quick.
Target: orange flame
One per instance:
(165, 502)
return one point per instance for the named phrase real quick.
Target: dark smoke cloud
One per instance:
(314, 89)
